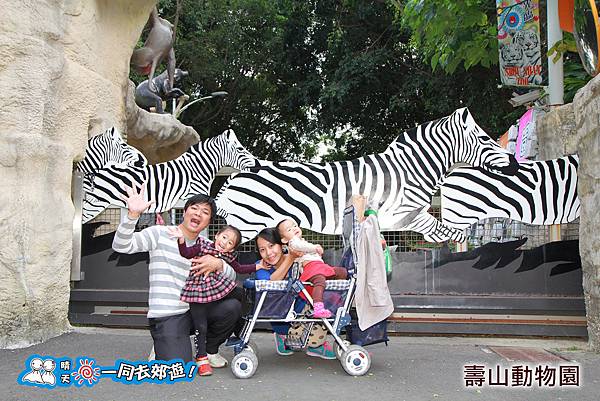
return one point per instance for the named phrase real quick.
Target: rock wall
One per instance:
(575, 128)
(64, 69)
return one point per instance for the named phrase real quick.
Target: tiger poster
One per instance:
(519, 42)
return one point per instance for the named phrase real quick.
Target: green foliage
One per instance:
(452, 32)
(259, 52)
(567, 44)
(575, 76)
(375, 84)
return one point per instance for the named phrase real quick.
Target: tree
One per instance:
(452, 32)
(376, 84)
(259, 52)
(300, 73)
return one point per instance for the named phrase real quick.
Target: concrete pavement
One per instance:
(409, 368)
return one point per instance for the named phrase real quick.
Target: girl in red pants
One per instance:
(314, 269)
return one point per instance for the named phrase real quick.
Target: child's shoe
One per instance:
(324, 351)
(152, 355)
(280, 346)
(204, 368)
(320, 311)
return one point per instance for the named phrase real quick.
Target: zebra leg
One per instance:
(434, 230)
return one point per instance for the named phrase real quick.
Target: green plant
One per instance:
(575, 76)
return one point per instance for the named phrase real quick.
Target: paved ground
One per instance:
(409, 368)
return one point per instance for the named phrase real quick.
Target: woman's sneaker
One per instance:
(280, 346)
(217, 361)
(324, 351)
(204, 368)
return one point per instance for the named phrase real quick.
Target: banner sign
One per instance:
(519, 42)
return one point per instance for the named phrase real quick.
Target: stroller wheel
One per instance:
(339, 351)
(356, 361)
(244, 364)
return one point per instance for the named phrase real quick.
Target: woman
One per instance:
(276, 266)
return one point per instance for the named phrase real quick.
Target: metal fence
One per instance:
(481, 233)
(504, 230)
(106, 222)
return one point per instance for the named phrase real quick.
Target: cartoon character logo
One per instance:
(41, 372)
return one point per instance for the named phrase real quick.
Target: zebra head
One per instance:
(233, 153)
(476, 148)
(109, 148)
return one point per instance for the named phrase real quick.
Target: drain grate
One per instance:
(526, 354)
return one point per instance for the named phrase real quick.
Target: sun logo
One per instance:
(86, 372)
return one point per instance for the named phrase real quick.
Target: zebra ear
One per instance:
(467, 117)
(230, 135)
(116, 135)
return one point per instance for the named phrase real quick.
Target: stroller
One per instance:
(275, 301)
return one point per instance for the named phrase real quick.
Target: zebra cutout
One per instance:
(401, 180)
(541, 193)
(106, 149)
(166, 183)
(109, 148)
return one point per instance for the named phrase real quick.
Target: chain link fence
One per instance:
(504, 230)
(481, 233)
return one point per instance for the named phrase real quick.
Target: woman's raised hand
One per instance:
(262, 265)
(136, 204)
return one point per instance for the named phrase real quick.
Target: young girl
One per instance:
(198, 290)
(313, 268)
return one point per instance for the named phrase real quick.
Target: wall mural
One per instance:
(107, 149)
(553, 269)
(402, 180)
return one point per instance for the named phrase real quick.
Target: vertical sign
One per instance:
(519, 42)
(526, 143)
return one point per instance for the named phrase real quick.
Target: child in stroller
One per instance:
(314, 269)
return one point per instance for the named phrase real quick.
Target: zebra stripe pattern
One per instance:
(541, 193)
(166, 183)
(400, 182)
(109, 148)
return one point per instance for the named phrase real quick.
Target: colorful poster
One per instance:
(519, 42)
